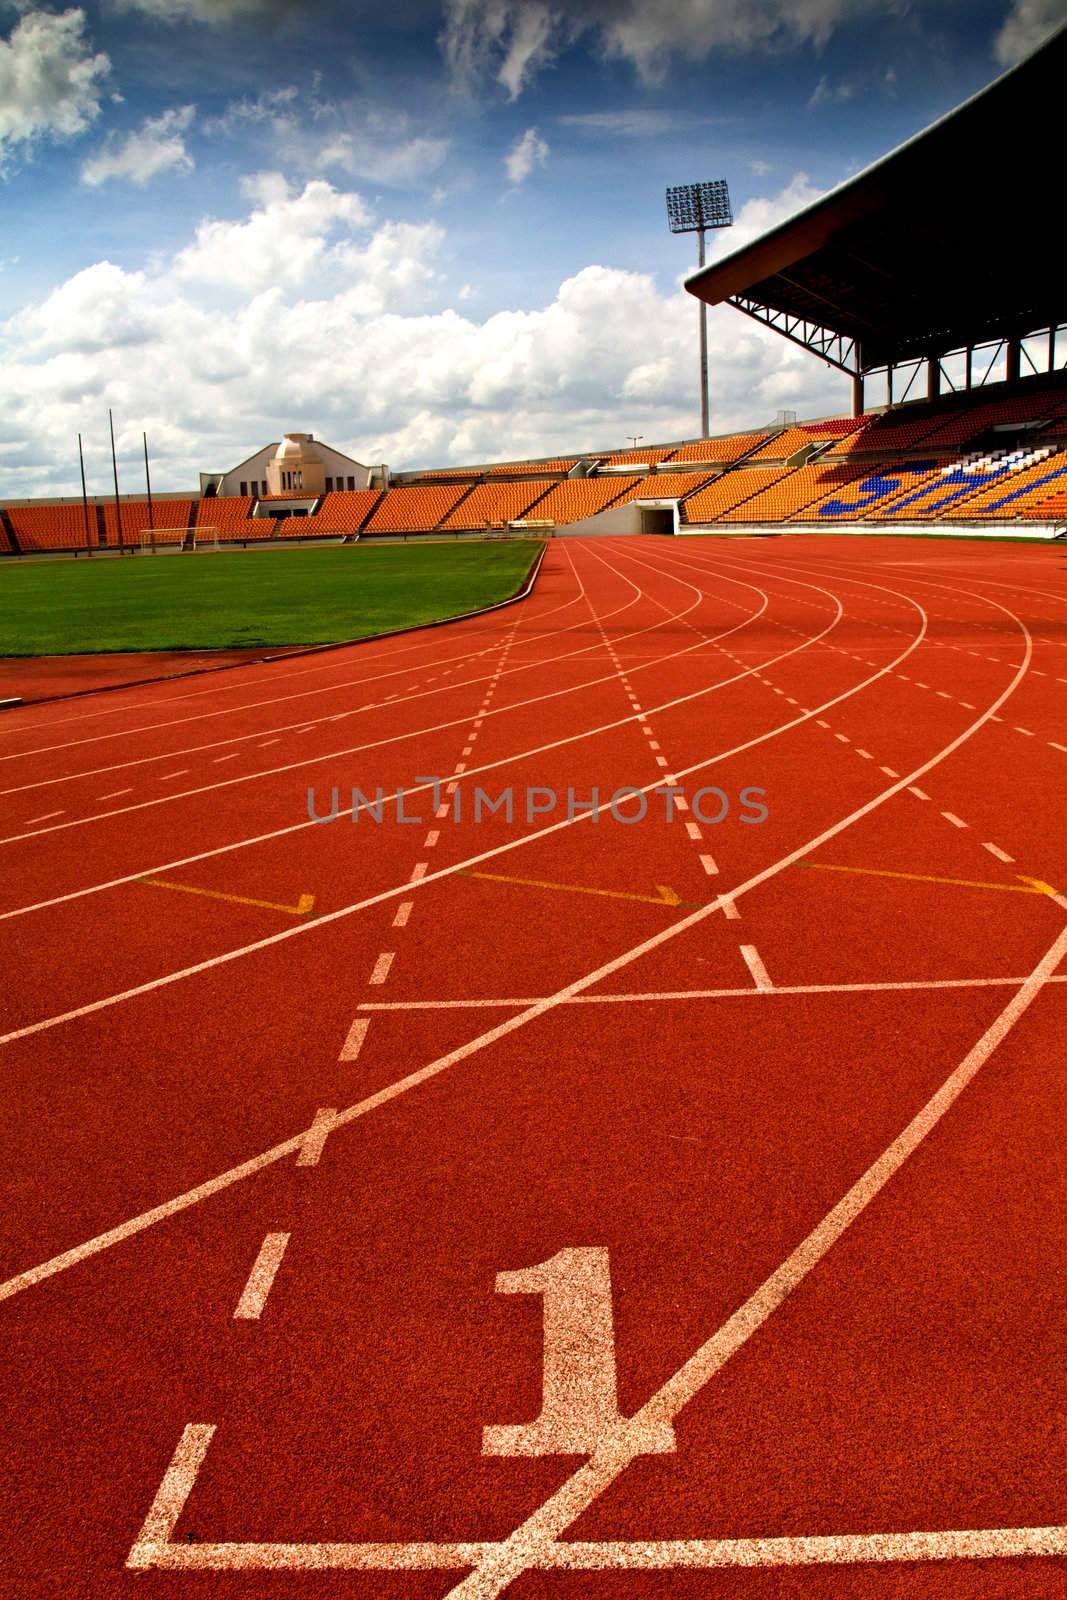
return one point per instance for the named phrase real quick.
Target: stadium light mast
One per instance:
(694, 208)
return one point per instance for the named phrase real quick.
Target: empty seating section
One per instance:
(495, 503)
(135, 518)
(666, 486)
(415, 509)
(888, 434)
(232, 516)
(733, 488)
(342, 511)
(838, 427)
(793, 493)
(527, 467)
(783, 445)
(869, 495)
(637, 458)
(732, 448)
(577, 498)
(52, 527)
(1023, 492)
(955, 431)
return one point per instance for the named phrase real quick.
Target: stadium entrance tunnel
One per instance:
(656, 520)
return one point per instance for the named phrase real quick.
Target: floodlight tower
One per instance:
(693, 208)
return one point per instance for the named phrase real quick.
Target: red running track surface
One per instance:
(781, 1102)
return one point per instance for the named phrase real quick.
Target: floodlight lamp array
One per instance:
(692, 207)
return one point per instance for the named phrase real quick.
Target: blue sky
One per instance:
(428, 233)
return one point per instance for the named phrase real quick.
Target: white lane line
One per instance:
(730, 911)
(843, 737)
(661, 761)
(431, 838)
(866, 754)
(675, 996)
(419, 871)
(165, 777)
(693, 830)
(255, 1292)
(889, 772)
(403, 912)
(1028, 732)
(267, 744)
(950, 816)
(355, 1039)
(708, 863)
(214, 761)
(114, 794)
(622, 1444)
(919, 794)
(47, 816)
(1056, 746)
(381, 967)
(760, 976)
(995, 850)
(315, 1139)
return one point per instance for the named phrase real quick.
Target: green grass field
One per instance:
(254, 598)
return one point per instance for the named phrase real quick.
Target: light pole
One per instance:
(635, 439)
(694, 208)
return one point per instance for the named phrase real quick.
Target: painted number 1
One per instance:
(579, 1399)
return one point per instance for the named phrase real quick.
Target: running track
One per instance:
(781, 1104)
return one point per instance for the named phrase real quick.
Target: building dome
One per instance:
(296, 447)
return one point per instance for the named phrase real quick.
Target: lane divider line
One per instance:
(264, 1270)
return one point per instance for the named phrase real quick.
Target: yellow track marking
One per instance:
(1027, 886)
(303, 906)
(664, 895)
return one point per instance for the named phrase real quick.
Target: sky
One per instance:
(429, 233)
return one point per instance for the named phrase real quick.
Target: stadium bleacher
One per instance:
(232, 516)
(731, 448)
(665, 486)
(414, 509)
(577, 498)
(496, 503)
(52, 527)
(341, 511)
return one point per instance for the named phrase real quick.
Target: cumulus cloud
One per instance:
(512, 40)
(51, 80)
(528, 151)
(157, 146)
(1028, 24)
(342, 325)
(215, 13)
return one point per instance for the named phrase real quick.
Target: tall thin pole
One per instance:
(115, 470)
(705, 400)
(148, 486)
(85, 499)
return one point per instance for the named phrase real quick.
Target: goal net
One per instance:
(153, 539)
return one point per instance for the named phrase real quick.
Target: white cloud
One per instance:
(1028, 24)
(282, 241)
(528, 151)
(216, 13)
(50, 79)
(759, 167)
(514, 39)
(826, 93)
(370, 152)
(635, 124)
(345, 343)
(157, 146)
(273, 107)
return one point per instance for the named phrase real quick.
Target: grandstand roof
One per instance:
(942, 244)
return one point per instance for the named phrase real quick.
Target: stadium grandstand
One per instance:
(956, 347)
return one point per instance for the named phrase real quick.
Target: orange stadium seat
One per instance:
(638, 458)
(135, 519)
(731, 490)
(496, 503)
(1029, 492)
(665, 486)
(528, 467)
(793, 493)
(576, 498)
(232, 516)
(342, 511)
(52, 527)
(414, 509)
(870, 494)
(732, 448)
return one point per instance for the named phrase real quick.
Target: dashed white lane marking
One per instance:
(889, 772)
(1027, 732)
(708, 863)
(165, 777)
(693, 830)
(214, 761)
(267, 744)
(353, 1044)
(730, 911)
(431, 838)
(114, 794)
(315, 1139)
(661, 761)
(381, 967)
(1056, 746)
(442, 811)
(920, 794)
(843, 737)
(264, 1269)
(866, 754)
(950, 816)
(419, 870)
(403, 912)
(47, 816)
(760, 976)
(995, 850)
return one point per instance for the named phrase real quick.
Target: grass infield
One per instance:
(249, 598)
